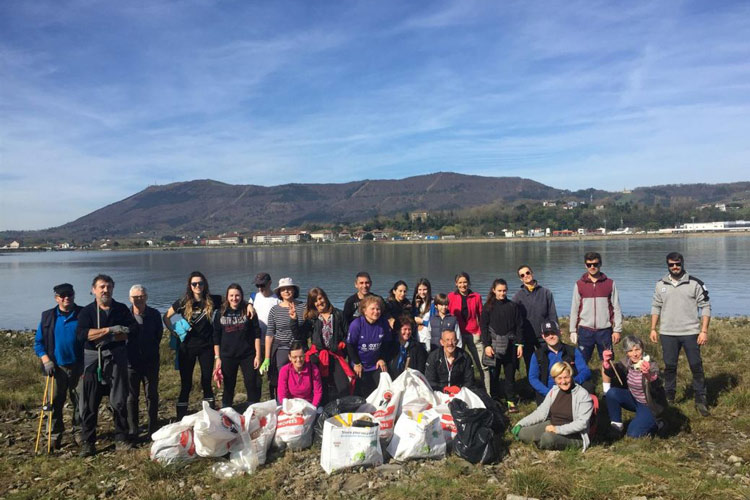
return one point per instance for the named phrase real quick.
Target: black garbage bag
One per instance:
(347, 404)
(480, 432)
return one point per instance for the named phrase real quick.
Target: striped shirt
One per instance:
(635, 384)
(279, 324)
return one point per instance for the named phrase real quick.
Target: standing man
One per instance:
(103, 328)
(678, 298)
(362, 282)
(595, 314)
(62, 356)
(537, 307)
(262, 300)
(143, 361)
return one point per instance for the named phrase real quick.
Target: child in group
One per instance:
(441, 321)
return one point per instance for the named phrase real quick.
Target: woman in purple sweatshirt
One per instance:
(368, 344)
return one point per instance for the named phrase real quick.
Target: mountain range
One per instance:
(212, 207)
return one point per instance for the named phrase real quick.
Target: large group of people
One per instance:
(310, 349)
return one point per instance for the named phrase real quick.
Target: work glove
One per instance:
(515, 430)
(451, 389)
(118, 329)
(264, 366)
(218, 377)
(49, 368)
(645, 366)
(607, 356)
(574, 337)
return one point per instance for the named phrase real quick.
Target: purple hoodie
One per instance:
(365, 341)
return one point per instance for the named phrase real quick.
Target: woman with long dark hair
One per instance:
(501, 325)
(466, 306)
(422, 306)
(236, 346)
(397, 304)
(195, 337)
(326, 327)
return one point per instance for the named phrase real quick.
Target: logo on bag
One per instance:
(387, 395)
(228, 424)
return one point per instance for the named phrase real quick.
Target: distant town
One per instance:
(362, 234)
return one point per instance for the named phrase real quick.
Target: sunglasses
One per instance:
(196, 284)
(527, 273)
(549, 334)
(593, 264)
(674, 264)
(65, 295)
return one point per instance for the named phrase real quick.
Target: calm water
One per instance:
(722, 262)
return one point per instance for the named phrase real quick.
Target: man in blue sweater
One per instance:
(61, 355)
(553, 351)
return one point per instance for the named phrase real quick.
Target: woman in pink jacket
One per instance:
(466, 306)
(300, 379)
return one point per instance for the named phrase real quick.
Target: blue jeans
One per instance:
(644, 422)
(588, 338)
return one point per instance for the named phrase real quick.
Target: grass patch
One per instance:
(692, 463)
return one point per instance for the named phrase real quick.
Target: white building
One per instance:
(322, 236)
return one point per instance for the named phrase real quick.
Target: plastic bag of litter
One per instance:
(262, 437)
(215, 431)
(347, 404)
(174, 442)
(418, 435)
(383, 403)
(294, 424)
(416, 393)
(349, 440)
(480, 430)
(447, 421)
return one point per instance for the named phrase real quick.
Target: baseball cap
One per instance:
(262, 279)
(550, 327)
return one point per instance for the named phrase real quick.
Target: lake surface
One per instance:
(722, 262)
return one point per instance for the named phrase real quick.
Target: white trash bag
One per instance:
(294, 424)
(446, 417)
(416, 392)
(215, 431)
(174, 442)
(349, 440)
(384, 403)
(418, 435)
(259, 427)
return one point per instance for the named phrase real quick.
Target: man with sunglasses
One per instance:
(537, 306)
(678, 298)
(595, 314)
(262, 300)
(61, 355)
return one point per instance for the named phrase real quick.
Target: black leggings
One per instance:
(229, 368)
(205, 355)
(507, 364)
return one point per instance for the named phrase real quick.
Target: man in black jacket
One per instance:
(104, 326)
(143, 361)
(450, 368)
(62, 356)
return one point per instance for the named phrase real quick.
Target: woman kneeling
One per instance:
(562, 419)
(636, 387)
(299, 378)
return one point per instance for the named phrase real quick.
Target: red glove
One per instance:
(218, 377)
(342, 346)
(607, 356)
(451, 389)
(645, 366)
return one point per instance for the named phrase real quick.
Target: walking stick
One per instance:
(41, 415)
(49, 417)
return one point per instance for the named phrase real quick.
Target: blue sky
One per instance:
(98, 100)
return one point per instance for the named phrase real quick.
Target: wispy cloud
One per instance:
(100, 100)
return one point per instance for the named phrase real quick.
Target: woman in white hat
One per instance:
(284, 327)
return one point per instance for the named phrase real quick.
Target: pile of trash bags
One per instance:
(403, 416)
